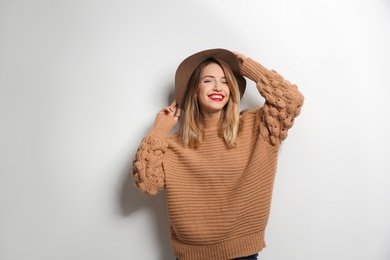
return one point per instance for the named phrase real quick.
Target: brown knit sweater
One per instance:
(219, 198)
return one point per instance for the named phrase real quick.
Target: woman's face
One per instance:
(213, 91)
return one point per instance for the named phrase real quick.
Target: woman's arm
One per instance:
(283, 100)
(148, 170)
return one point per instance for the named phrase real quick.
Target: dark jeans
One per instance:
(250, 257)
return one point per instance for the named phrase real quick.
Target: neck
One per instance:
(211, 122)
(211, 115)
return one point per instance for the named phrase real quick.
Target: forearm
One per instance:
(283, 100)
(148, 170)
(272, 86)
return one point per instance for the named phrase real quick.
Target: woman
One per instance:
(219, 168)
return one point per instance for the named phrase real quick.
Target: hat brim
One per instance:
(188, 66)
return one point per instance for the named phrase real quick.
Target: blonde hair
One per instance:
(192, 129)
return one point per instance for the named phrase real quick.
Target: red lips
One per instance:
(216, 97)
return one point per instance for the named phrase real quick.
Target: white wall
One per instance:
(81, 82)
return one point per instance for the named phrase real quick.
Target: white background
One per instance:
(81, 82)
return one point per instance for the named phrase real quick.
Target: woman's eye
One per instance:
(224, 82)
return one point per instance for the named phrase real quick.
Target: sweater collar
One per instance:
(210, 123)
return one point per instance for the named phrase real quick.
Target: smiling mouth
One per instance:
(216, 97)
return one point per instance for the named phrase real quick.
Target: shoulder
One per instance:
(174, 140)
(249, 114)
(250, 118)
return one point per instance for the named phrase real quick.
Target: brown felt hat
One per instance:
(188, 66)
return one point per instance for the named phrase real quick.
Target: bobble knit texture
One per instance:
(218, 198)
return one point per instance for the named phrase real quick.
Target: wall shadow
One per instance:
(131, 199)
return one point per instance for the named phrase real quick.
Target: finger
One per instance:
(171, 110)
(178, 111)
(173, 105)
(237, 54)
(167, 109)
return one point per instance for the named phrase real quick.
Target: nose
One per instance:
(217, 86)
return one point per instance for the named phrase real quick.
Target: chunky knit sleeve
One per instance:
(148, 170)
(283, 101)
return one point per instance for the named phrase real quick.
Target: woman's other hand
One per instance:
(172, 110)
(241, 57)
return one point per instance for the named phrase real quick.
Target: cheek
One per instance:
(198, 93)
(198, 90)
(201, 90)
(227, 91)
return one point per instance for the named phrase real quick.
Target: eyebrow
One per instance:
(210, 76)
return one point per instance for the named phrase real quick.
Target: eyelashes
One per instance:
(208, 81)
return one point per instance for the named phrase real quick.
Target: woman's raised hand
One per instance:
(172, 110)
(241, 57)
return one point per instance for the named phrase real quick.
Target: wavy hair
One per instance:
(192, 128)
